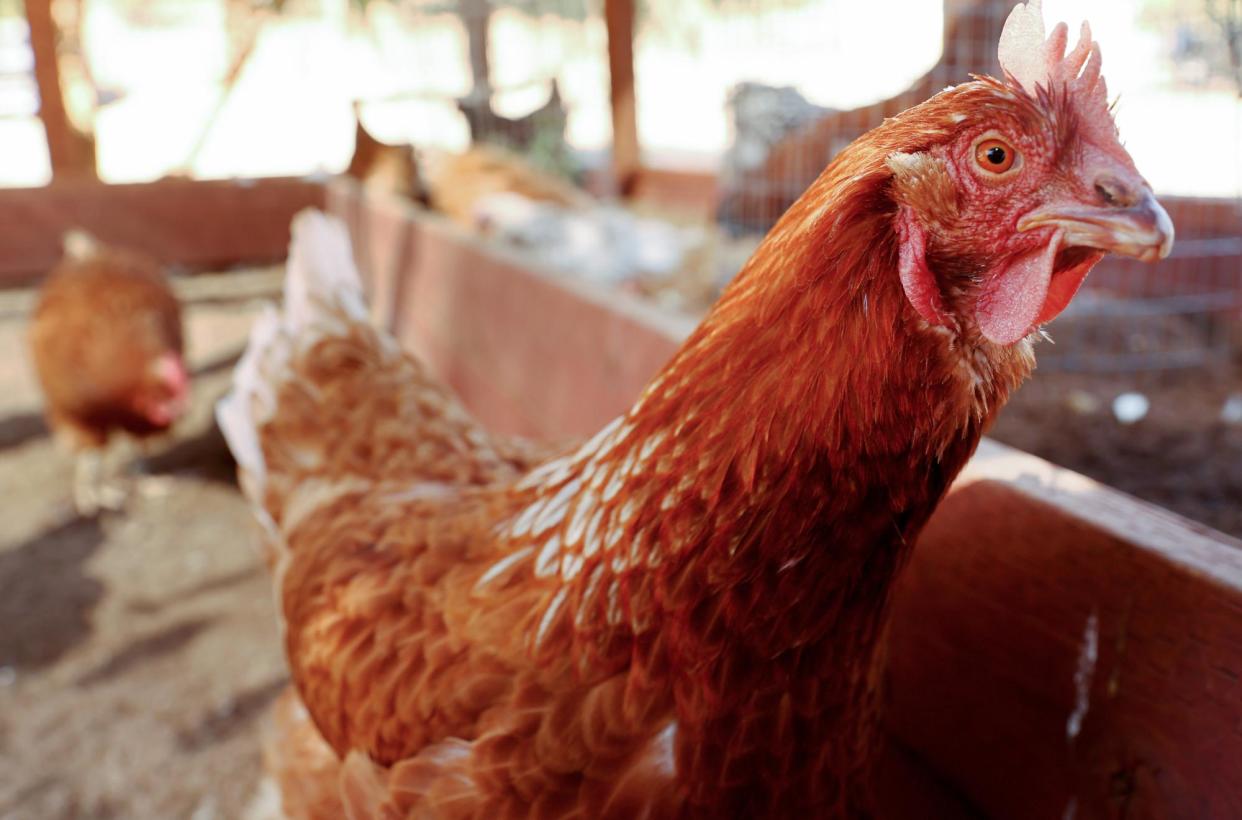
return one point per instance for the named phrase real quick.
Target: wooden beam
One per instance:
(72, 153)
(427, 277)
(199, 224)
(626, 157)
(477, 16)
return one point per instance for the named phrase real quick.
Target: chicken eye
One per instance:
(995, 156)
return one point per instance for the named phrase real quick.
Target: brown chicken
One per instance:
(383, 167)
(457, 183)
(680, 617)
(106, 343)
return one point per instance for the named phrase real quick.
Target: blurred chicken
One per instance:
(107, 347)
(498, 194)
(541, 132)
(766, 170)
(457, 183)
(384, 167)
(604, 243)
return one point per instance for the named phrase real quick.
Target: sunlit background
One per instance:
(152, 74)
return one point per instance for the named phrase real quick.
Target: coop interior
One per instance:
(544, 198)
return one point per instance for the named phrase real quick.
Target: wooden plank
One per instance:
(488, 322)
(991, 617)
(198, 224)
(626, 158)
(1022, 570)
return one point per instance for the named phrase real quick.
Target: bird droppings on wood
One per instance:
(1088, 654)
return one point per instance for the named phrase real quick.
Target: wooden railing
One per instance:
(204, 224)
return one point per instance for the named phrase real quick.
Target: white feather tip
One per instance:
(320, 274)
(250, 402)
(79, 244)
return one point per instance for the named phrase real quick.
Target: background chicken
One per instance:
(380, 166)
(681, 616)
(458, 182)
(107, 347)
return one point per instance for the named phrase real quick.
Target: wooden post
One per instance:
(477, 15)
(71, 152)
(626, 162)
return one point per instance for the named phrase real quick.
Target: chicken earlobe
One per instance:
(920, 184)
(917, 280)
(1013, 297)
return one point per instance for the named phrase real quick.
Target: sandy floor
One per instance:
(137, 651)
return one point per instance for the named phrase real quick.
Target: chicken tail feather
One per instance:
(323, 297)
(322, 282)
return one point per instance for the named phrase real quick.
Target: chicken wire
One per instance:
(1131, 317)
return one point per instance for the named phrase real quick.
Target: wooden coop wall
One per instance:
(1037, 601)
(194, 224)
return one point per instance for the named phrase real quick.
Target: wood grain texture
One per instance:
(195, 223)
(989, 620)
(989, 631)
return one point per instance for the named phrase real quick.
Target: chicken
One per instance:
(105, 339)
(682, 616)
(382, 167)
(458, 183)
(596, 242)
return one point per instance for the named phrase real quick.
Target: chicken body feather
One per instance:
(682, 616)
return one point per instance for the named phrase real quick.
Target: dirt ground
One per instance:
(1183, 455)
(138, 651)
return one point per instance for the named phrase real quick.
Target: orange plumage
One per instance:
(457, 183)
(681, 616)
(106, 343)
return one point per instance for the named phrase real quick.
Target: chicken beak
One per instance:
(1141, 229)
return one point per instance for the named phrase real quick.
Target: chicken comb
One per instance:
(1032, 61)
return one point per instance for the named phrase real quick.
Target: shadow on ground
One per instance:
(19, 428)
(205, 455)
(46, 597)
(234, 716)
(166, 641)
